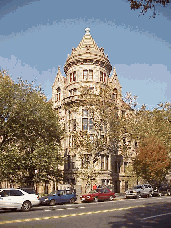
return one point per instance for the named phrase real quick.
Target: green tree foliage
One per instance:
(145, 5)
(30, 133)
(152, 161)
(105, 132)
(145, 123)
(157, 122)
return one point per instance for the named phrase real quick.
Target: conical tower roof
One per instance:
(88, 52)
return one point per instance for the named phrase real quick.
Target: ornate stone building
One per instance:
(87, 66)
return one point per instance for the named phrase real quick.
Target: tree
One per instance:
(152, 161)
(30, 133)
(157, 122)
(101, 133)
(145, 5)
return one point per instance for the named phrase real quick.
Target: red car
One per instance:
(100, 194)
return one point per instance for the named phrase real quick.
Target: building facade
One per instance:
(87, 66)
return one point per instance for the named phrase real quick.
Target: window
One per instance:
(58, 94)
(70, 77)
(69, 161)
(87, 121)
(5, 193)
(74, 76)
(16, 193)
(90, 74)
(103, 77)
(102, 161)
(125, 166)
(115, 94)
(117, 167)
(84, 124)
(74, 125)
(73, 161)
(106, 162)
(85, 74)
(90, 124)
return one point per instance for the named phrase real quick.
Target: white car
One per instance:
(14, 199)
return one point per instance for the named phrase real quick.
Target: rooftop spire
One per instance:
(87, 31)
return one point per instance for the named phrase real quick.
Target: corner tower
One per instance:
(87, 65)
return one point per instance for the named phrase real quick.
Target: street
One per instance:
(143, 212)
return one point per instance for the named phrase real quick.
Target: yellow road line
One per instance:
(70, 215)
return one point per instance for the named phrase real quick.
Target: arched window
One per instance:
(115, 94)
(58, 94)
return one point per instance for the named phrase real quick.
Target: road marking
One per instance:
(156, 216)
(70, 208)
(70, 215)
(60, 209)
(81, 207)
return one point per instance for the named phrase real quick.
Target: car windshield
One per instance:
(93, 191)
(54, 193)
(137, 187)
(29, 190)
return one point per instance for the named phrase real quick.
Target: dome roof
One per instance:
(87, 52)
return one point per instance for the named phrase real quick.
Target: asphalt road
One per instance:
(151, 212)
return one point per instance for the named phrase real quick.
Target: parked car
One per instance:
(14, 199)
(147, 190)
(165, 189)
(59, 197)
(134, 192)
(30, 191)
(137, 191)
(98, 194)
(156, 192)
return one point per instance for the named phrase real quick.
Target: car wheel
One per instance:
(96, 199)
(72, 200)
(26, 206)
(111, 198)
(52, 203)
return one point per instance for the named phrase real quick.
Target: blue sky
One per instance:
(36, 37)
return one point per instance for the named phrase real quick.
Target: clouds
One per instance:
(151, 83)
(36, 37)
(17, 69)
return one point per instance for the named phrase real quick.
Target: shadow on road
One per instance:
(138, 217)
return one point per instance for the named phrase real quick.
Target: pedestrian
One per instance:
(94, 187)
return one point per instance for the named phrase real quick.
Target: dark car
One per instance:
(98, 195)
(165, 189)
(59, 197)
(156, 192)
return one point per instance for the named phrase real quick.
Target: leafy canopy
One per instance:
(30, 133)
